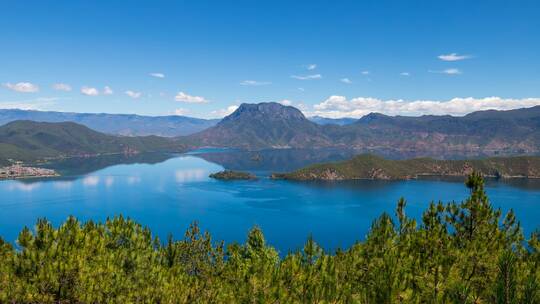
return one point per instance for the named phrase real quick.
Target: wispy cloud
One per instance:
(157, 75)
(339, 106)
(451, 71)
(62, 87)
(346, 80)
(40, 103)
(307, 77)
(405, 74)
(223, 112)
(133, 94)
(22, 87)
(183, 97)
(254, 83)
(181, 112)
(107, 90)
(311, 67)
(89, 91)
(453, 57)
(365, 73)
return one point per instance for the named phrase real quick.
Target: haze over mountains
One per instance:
(120, 124)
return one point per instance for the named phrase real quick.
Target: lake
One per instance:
(168, 193)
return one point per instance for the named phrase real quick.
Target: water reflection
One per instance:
(190, 175)
(169, 195)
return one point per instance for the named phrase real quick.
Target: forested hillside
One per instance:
(464, 252)
(29, 141)
(367, 166)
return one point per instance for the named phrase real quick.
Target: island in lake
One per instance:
(19, 171)
(367, 166)
(233, 175)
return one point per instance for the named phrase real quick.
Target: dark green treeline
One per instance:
(458, 253)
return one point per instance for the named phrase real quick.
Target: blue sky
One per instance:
(332, 58)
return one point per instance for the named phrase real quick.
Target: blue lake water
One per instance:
(167, 194)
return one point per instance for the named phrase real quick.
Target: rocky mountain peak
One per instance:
(265, 110)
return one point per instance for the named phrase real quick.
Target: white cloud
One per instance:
(405, 74)
(181, 112)
(311, 67)
(339, 106)
(301, 89)
(346, 80)
(223, 112)
(254, 83)
(107, 90)
(307, 77)
(29, 104)
(183, 97)
(285, 102)
(62, 87)
(89, 91)
(22, 87)
(365, 72)
(451, 71)
(133, 94)
(453, 57)
(157, 75)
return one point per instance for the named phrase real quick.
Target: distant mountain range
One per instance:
(119, 124)
(272, 125)
(30, 141)
(133, 125)
(332, 121)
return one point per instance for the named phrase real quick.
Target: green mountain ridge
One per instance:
(31, 141)
(368, 166)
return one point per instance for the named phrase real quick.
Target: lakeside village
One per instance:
(17, 170)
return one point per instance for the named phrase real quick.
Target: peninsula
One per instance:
(367, 166)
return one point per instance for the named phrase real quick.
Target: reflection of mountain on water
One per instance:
(274, 160)
(284, 160)
(69, 168)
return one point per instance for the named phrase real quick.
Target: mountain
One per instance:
(119, 124)
(373, 167)
(492, 132)
(29, 141)
(271, 125)
(263, 125)
(332, 121)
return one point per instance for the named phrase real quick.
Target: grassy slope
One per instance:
(372, 167)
